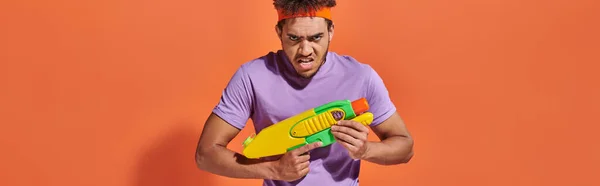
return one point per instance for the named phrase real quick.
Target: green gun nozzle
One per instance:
(248, 140)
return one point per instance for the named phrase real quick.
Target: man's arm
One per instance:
(223, 124)
(396, 145)
(213, 156)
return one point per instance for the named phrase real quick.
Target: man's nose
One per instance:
(305, 48)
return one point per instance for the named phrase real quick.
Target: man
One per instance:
(301, 76)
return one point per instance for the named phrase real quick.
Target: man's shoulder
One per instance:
(261, 64)
(350, 64)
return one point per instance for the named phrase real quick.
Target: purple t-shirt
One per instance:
(268, 90)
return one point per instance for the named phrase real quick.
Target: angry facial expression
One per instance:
(305, 41)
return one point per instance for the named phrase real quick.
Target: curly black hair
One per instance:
(295, 6)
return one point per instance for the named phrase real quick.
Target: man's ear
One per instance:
(278, 31)
(331, 32)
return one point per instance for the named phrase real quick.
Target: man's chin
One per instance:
(306, 74)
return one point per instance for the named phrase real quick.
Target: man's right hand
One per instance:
(294, 164)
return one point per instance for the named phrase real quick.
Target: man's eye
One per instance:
(316, 38)
(293, 38)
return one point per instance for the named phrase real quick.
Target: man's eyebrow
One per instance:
(318, 34)
(294, 35)
(314, 35)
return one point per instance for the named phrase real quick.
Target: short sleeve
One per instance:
(235, 105)
(378, 97)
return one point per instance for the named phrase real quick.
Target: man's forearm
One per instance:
(393, 150)
(222, 161)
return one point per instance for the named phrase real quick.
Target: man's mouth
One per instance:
(306, 63)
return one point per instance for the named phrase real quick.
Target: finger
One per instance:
(349, 131)
(304, 171)
(303, 158)
(346, 138)
(354, 124)
(347, 145)
(306, 148)
(302, 165)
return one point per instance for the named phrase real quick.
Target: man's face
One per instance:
(305, 40)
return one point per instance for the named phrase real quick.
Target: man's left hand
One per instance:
(353, 136)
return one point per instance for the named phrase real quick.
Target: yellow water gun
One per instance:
(307, 127)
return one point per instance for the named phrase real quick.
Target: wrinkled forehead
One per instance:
(305, 25)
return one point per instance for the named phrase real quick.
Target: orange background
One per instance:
(116, 92)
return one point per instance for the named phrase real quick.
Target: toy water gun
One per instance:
(307, 127)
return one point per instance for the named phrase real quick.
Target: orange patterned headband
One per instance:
(324, 12)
